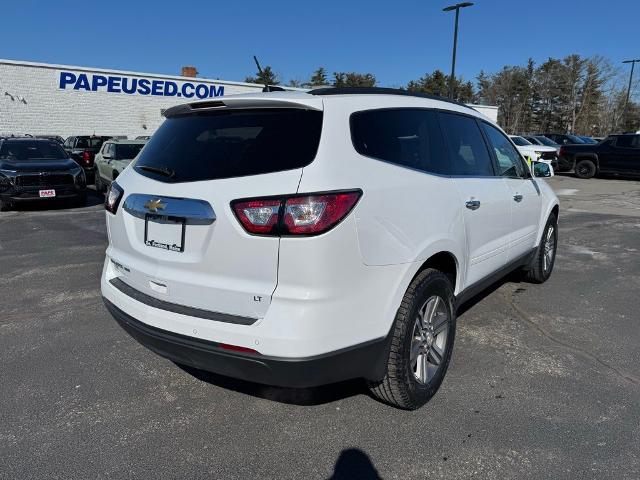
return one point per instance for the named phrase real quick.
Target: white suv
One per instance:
(298, 239)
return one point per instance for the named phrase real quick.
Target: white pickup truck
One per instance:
(537, 153)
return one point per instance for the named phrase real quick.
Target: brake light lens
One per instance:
(311, 214)
(317, 213)
(561, 152)
(87, 157)
(113, 197)
(258, 216)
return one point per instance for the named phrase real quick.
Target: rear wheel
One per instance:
(421, 344)
(5, 205)
(585, 169)
(543, 261)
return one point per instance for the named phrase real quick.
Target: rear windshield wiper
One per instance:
(165, 171)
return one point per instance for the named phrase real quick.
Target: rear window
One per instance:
(25, 150)
(233, 143)
(128, 151)
(90, 142)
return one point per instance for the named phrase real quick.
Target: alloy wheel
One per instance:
(429, 339)
(549, 249)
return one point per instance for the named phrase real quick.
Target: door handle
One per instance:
(472, 204)
(518, 198)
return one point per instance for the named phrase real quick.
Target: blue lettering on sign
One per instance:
(140, 86)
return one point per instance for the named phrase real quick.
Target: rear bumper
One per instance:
(366, 360)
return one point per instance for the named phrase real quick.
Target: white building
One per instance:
(46, 99)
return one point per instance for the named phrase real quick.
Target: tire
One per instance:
(544, 259)
(5, 206)
(100, 186)
(81, 201)
(585, 169)
(404, 385)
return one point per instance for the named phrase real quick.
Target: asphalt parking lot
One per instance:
(544, 382)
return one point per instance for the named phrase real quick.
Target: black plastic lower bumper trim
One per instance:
(367, 360)
(181, 309)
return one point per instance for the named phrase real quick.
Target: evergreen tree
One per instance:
(266, 77)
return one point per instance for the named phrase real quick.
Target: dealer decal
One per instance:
(139, 86)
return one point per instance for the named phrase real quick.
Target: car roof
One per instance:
(26, 139)
(124, 141)
(359, 98)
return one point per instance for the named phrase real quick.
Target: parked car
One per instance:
(56, 138)
(588, 140)
(541, 140)
(540, 153)
(328, 235)
(616, 154)
(38, 169)
(113, 158)
(565, 139)
(83, 149)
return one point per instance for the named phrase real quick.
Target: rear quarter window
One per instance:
(232, 143)
(408, 137)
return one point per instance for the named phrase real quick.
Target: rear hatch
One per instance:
(175, 237)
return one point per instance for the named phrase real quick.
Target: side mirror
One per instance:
(541, 169)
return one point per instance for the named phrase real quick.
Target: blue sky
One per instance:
(395, 40)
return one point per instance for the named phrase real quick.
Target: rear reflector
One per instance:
(236, 348)
(309, 214)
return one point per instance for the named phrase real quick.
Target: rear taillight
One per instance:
(561, 152)
(87, 157)
(112, 197)
(308, 214)
(258, 216)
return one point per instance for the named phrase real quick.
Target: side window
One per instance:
(409, 137)
(468, 152)
(69, 142)
(628, 141)
(509, 160)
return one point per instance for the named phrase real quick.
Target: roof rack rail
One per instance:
(380, 91)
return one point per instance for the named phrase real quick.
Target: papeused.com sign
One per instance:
(137, 86)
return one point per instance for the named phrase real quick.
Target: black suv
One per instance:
(35, 169)
(83, 150)
(616, 154)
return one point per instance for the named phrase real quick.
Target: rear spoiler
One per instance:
(269, 100)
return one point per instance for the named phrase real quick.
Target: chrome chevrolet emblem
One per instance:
(155, 205)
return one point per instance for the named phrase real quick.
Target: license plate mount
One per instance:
(165, 232)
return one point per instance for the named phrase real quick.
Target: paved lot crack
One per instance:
(627, 377)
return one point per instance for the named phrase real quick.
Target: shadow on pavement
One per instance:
(292, 396)
(514, 277)
(354, 463)
(326, 393)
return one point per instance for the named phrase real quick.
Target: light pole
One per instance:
(457, 8)
(626, 103)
